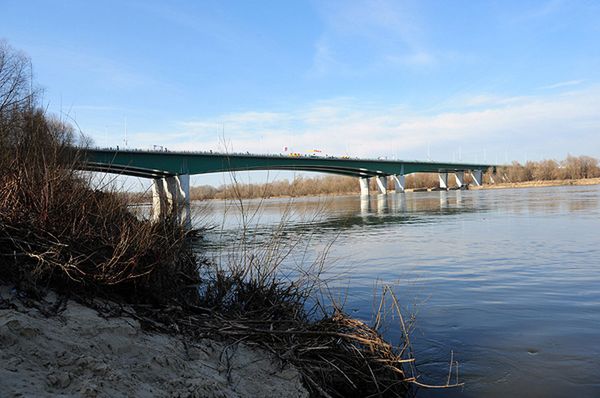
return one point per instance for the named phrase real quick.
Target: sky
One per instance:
(441, 80)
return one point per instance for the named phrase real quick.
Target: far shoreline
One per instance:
(503, 185)
(539, 184)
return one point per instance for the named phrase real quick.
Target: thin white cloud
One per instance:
(374, 19)
(562, 84)
(390, 33)
(251, 120)
(324, 61)
(95, 67)
(491, 100)
(344, 125)
(204, 24)
(539, 11)
(420, 58)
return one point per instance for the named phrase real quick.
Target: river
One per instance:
(508, 280)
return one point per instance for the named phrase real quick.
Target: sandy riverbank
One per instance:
(77, 352)
(535, 184)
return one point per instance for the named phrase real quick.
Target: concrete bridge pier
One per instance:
(184, 202)
(399, 182)
(159, 198)
(382, 184)
(382, 203)
(364, 186)
(477, 177)
(443, 180)
(171, 196)
(460, 179)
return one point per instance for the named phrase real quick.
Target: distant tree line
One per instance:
(299, 186)
(573, 167)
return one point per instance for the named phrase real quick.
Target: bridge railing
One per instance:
(261, 155)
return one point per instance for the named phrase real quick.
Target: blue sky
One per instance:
(446, 80)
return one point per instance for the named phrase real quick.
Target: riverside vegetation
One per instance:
(59, 232)
(565, 171)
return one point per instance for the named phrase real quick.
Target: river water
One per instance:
(508, 280)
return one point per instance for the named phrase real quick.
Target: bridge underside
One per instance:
(152, 173)
(125, 170)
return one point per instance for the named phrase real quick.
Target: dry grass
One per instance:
(337, 355)
(257, 293)
(55, 229)
(58, 232)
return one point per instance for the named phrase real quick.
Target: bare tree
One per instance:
(16, 91)
(580, 167)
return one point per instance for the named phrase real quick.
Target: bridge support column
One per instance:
(171, 198)
(477, 177)
(159, 199)
(443, 180)
(382, 184)
(364, 186)
(184, 205)
(460, 179)
(399, 182)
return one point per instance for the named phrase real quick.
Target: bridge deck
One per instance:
(155, 164)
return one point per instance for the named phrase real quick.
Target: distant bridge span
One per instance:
(171, 170)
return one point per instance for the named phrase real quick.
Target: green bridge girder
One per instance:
(157, 164)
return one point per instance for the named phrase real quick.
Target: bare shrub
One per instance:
(580, 167)
(55, 229)
(515, 172)
(299, 186)
(63, 232)
(422, 180)
(573, 167)
(16, 91)
(546, 170)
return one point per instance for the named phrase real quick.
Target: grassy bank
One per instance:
(59, 233)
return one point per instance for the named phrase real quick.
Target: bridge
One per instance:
(171, 170)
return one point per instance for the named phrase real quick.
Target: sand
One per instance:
(539, 184)
(79, 353)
